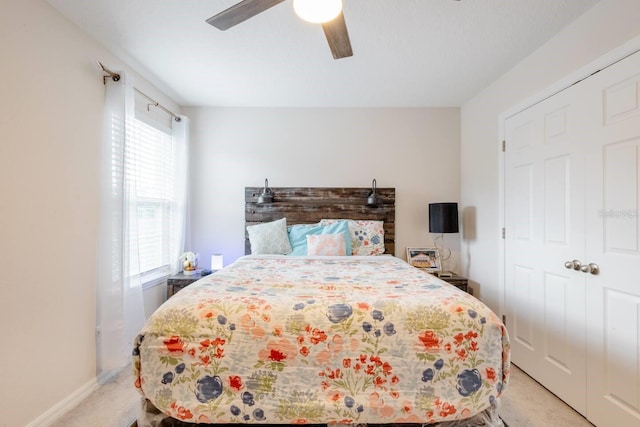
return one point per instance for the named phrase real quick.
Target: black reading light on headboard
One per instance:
(443, 218)
(267, 194)
(373, 199)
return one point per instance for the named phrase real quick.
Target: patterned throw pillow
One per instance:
(367, 236)
(326, 244)
(269, 238)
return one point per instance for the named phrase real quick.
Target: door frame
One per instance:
(615, 55)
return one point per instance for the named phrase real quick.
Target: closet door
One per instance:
(613, 243)
(544, 219)
(572, 192)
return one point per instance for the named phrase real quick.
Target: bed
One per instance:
(281, 339)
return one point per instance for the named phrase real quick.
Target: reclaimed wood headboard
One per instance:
(308, 205)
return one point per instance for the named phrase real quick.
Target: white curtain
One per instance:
(178, 219)
(120, 309)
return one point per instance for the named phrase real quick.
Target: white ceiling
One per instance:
(407, 53)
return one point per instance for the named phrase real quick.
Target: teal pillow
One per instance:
(298, 235)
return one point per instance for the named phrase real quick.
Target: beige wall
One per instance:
(606, 26)
(416, 151)
(51, 108)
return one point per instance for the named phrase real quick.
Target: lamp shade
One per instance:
(217, 262)
(443, 218)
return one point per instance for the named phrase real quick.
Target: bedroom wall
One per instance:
(414, 150)
(606, 26)
(51, 108)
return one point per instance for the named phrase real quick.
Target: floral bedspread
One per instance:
(294, 340)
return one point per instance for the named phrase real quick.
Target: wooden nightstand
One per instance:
(180, 280)
(459, 282)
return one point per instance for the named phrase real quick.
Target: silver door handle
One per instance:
(575, 264)
(590, 268)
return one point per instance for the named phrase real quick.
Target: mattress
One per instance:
(308, 340)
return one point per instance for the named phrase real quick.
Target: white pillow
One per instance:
(269, 238)
(326, 244)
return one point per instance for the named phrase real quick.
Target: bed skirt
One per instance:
(150, 416)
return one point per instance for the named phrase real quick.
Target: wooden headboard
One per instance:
(308, 205)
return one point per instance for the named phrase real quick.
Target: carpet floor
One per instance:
(524, 404)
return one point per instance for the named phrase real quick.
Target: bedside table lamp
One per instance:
(443, 218)
(217, 262)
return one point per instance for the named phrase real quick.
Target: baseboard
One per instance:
(65, 405)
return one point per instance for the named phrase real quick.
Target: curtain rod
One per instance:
(116, 77)
(158, 105)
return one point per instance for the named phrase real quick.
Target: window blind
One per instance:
(150, 177)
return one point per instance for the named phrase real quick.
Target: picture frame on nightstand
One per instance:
(427, 259)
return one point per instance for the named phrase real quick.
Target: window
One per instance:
(152, 200)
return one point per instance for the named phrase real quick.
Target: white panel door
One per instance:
(544, 220)
(572, 192)
(613, 294)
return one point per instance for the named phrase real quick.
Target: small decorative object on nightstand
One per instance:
(189, 263)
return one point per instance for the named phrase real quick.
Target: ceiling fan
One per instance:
(333, 23)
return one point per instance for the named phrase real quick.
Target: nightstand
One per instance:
(459, 282)
(180, 280)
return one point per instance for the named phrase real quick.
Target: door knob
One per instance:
(575, 264)
(590, 268)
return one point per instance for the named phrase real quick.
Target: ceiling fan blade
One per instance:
(338, 37)
(240, 12)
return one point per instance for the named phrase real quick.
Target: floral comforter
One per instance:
(281, 340)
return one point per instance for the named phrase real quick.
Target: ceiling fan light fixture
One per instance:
(317, 11)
